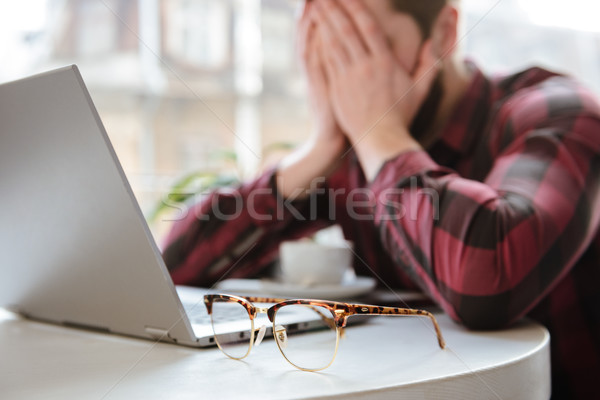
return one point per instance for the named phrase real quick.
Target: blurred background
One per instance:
(212, 87)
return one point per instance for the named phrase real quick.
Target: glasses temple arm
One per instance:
(359, 309)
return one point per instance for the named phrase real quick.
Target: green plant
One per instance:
(189, 186)
(199, 182)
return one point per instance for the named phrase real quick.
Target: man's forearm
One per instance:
(315, 160)
(375, 148)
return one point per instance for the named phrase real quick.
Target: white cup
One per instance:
(305, 262)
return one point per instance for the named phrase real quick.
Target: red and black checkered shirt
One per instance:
(498, 220)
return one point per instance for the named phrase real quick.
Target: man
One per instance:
(482, 193)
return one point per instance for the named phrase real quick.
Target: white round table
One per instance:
(388, 357)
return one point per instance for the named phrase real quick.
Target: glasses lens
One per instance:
(232, 327)
(309, 345)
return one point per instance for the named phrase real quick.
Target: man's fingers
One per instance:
(314, 62)
(427, 70)
(325, 57)
(343, 28)
(369, 29)
(336, 52)
(303, 27)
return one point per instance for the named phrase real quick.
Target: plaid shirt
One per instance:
(498, 220)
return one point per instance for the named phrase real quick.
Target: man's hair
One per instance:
(424, 12)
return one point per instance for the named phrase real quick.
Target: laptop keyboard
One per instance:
(197, 314)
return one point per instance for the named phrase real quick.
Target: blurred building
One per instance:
(178, 81)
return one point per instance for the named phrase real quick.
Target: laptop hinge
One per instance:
(158, 334)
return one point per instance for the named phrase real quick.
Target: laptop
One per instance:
(76, 249)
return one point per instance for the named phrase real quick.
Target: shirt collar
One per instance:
(469, 117)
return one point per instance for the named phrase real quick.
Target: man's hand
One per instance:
(309, 48)
(373, 97)
(322, 153)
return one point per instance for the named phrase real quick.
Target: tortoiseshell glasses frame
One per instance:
(339, 315)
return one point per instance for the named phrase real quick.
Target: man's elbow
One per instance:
(485, 312)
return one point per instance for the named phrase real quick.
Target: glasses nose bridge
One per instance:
(265, 310)
(262, 310)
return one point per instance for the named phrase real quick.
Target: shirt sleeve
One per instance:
(236, 232)
(488, 251)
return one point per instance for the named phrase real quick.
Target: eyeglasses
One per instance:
(321, 323)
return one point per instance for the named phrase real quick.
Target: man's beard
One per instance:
(424, 121)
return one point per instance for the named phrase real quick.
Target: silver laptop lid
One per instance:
(75, 247)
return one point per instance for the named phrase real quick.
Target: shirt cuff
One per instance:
(394, 171)
(394, 175)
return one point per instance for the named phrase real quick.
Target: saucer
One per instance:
(345, 290)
